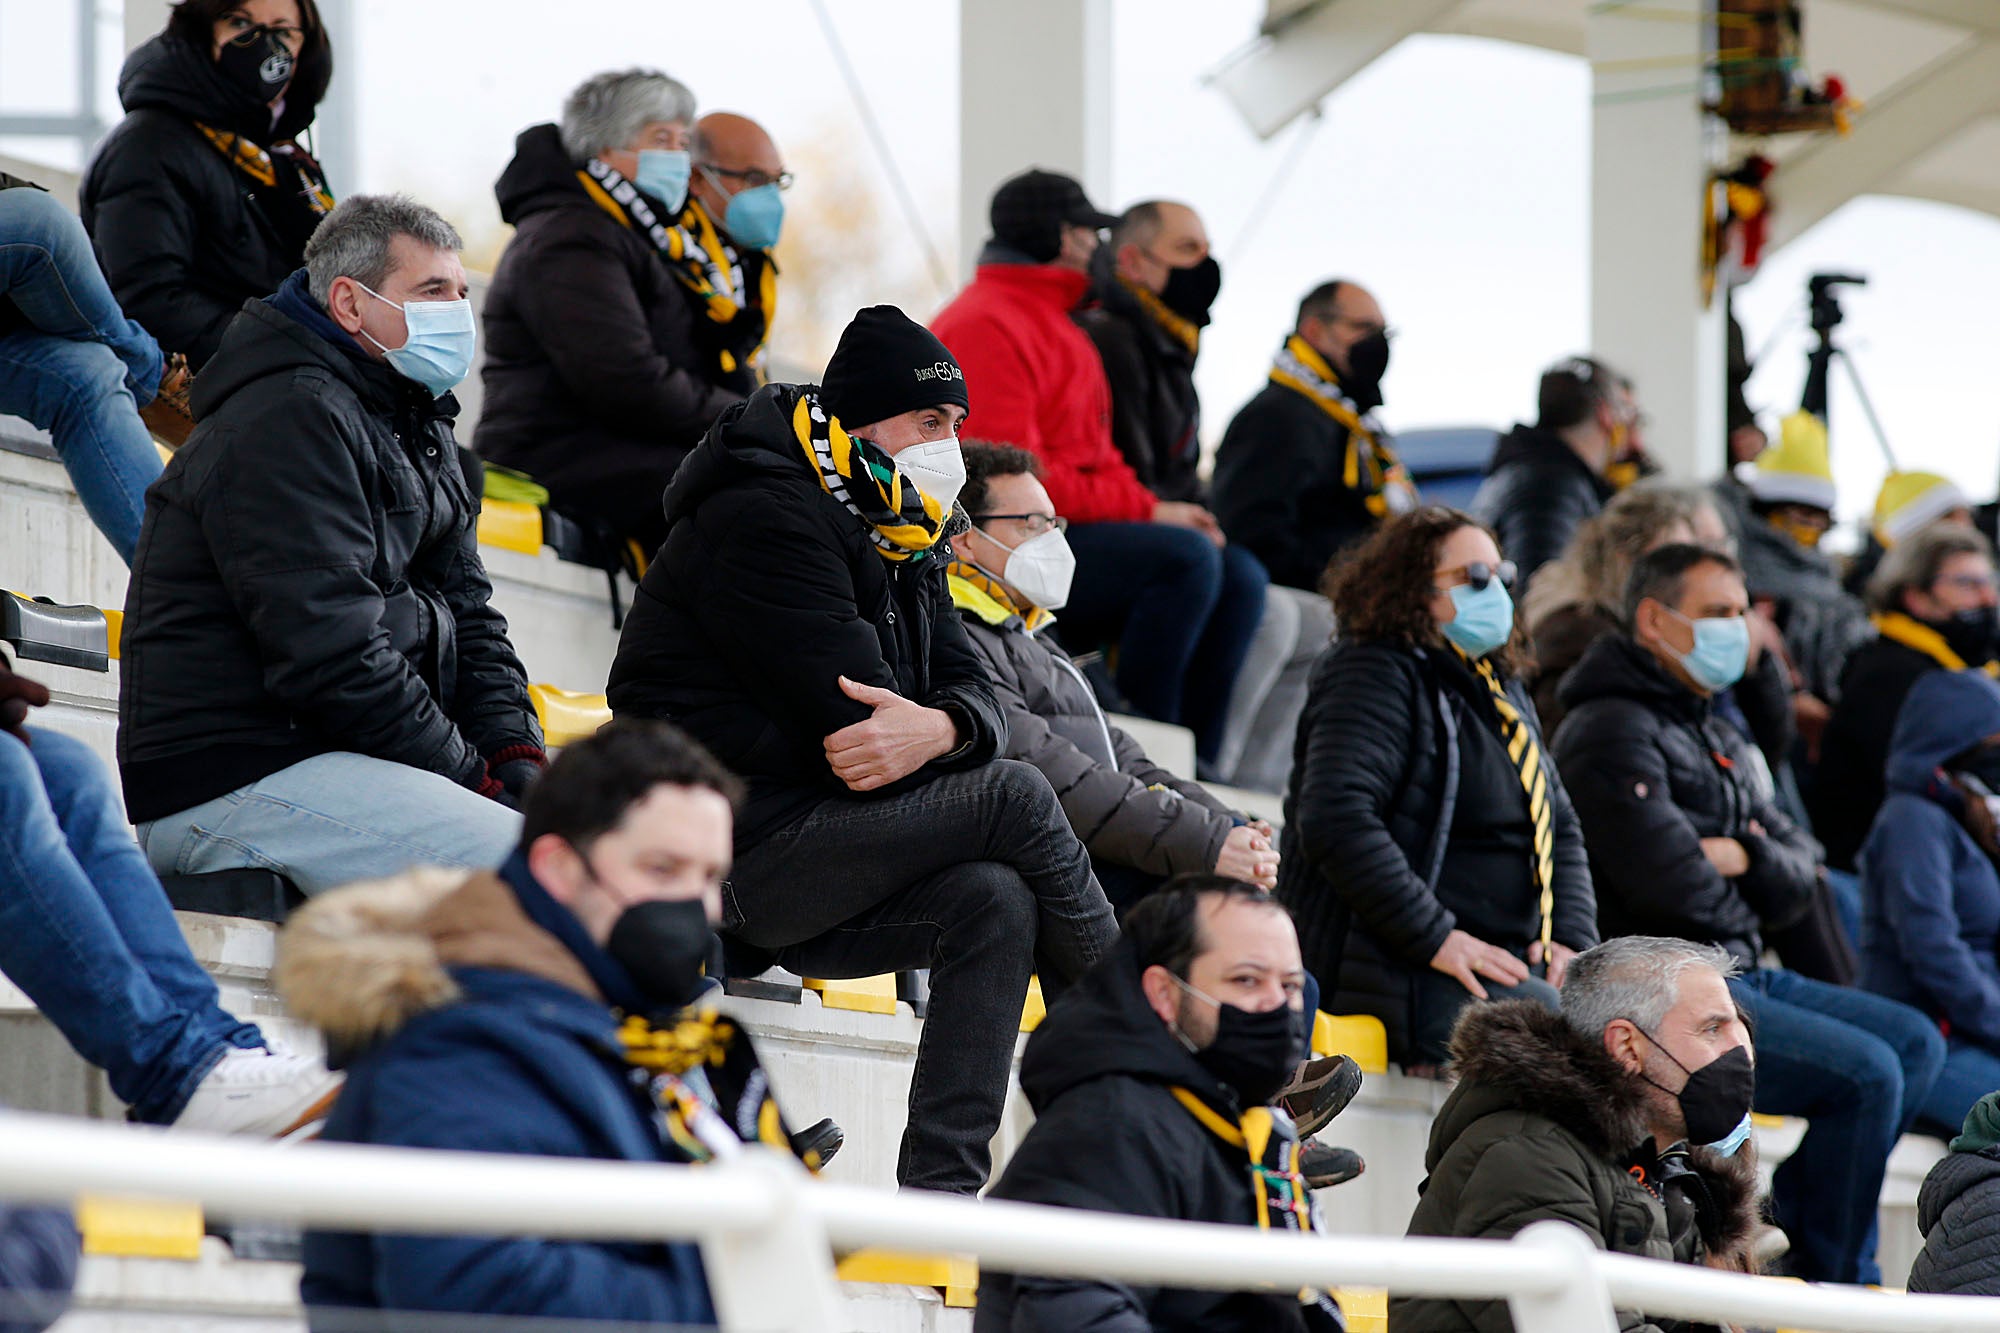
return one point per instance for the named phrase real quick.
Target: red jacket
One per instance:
(1036, 382)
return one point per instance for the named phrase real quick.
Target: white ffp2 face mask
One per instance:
(938, 469)
(1041, 569)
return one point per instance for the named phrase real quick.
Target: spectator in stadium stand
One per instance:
(632, 304)
(1430, 855)
(1933, 602)
(1304, 470)
(1930, 886)
(1958, 1211)
(1907, 504)
(201, 198)
(1547, 478)
(73, 364)
(39, 1252)
(88, 935)
(1154, 575)
(542, 1009)
(314, 680)
(1627, 1116)
(798, 622)
(1149, 1085)
(1683, 843)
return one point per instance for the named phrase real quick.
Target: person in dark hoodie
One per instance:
(798, 622)
(1547, 478)
(201, 198)
(1149, 1083)
(1930, 885)
(1684, 843)
(315, 680)
(1626, 1115)
(622, 318)
(1958, 1211)
(541, 1009)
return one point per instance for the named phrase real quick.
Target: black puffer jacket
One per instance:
(596, 384)
(1279, 492)
(1110, 1136)
(308, 579)
(1374, 782)
(1652, 774)
(1155, 411)
(1536, 494)
(766, 592)
(184, 236)
(1848, 785)
(1958, 1210)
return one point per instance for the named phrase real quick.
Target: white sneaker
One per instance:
(255, 1091)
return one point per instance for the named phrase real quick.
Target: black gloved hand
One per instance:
(515, 775)
(17, 695)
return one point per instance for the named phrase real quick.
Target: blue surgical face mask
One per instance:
(1721, 651)
(755, 217)
(663, 173)
(1484, 620)
(1734, 1139)
(438, 351)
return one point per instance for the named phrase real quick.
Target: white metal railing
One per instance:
(761, 1219)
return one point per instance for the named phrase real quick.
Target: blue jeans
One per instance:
(1181, 610)
(1857, 1067)
(81, 370)
(86, 932)
(1970, 1072)
(335, 819)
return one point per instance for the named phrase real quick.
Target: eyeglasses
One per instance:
(1968, 582)
(1479, 574)
(1368, 327)
(1037, 523)
(753, 178)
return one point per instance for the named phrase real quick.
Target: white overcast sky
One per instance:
(1451, 177)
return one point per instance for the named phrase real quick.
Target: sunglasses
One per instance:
(1479, 574)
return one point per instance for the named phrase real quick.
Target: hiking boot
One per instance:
(1319, 1090)
(1323, 1166)
(815, 1145)
(252, 1090)
(168, 415)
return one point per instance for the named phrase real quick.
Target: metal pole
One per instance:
(1580, 1305)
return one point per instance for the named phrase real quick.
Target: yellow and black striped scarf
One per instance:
(704, 1049)
(1371, 466)
(1914, 634)
(970, 584)
(902, 521)
(738, 292)
(262, 166)
(1524, 752)
(1181, 329)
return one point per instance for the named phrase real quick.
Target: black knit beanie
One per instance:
(888, 364)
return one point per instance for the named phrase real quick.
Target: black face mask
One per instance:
(662, 946)
(1192, 290)
(1367, 363)
(1253, 1053)
(261, 65)
(1971, 633)
(1716, 1096)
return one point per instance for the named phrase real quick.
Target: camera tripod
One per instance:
(1826, 317)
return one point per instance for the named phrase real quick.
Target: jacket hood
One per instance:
(360, 962)
(166, 74)
(1103, 1027)
(1527, 443)
(1616, 667)
(1517, 1054)
(1944, 715)
(1950, 1178)
(540, 177)
(752, 441)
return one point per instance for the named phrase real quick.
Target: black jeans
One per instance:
(975, 876)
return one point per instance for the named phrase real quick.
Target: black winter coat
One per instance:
(1155, 411)
(308, 579)
(1536, 494)
(1279, 491)
(1652, 774)
(595, 380)
(183, 235)
(1958, 1210)
(1374, 785)
(1848, 784)
(1109, 1136)
(766, 592)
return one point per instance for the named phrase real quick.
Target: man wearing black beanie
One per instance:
(797, 622)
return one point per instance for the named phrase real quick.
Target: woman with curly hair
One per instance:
(1430, 855)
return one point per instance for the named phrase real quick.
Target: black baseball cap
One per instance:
(1029, 211)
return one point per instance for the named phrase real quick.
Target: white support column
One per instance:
(1034, 91)
(336, 129)
(144, 19)
(1649, 165)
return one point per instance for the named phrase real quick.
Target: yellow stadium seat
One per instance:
(1367, 1309)
(957, 1275)
(1034, 1010)
(114, 629)
(140, 1228)
(510, 525)
(1360, 1036)
(867, 995)
(166, 454)
(1763, 1121)
(566, 715)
